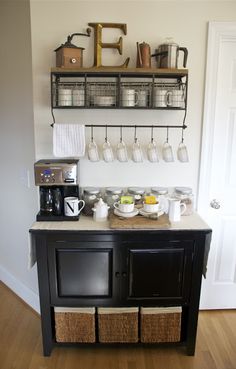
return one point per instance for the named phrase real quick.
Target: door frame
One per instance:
(218, 32)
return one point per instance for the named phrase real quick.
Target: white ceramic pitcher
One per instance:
(100, 211)
(176, 209)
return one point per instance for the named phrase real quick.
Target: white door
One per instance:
(217, 187)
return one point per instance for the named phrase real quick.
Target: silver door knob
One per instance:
(215, 204)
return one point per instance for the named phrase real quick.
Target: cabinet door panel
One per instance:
(160, 273)
(156, 272)
(83, 272)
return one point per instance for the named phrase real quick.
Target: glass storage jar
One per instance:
(161, 194)
(185, 195)
(113, 194)
(138, 194)
(91, 195)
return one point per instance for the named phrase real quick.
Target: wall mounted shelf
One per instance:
(103, 88)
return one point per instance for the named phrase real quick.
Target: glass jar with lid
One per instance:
(91, 195)
(112, 195)
(161, 194)
(138, 194)
(185, 195)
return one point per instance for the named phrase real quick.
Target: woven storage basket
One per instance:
(75, 324)
(118, 324)
(160, 324)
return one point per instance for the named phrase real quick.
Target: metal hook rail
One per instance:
(135, 126)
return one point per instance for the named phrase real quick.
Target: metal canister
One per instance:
(138, 194)
(112, 195)
(91, 195)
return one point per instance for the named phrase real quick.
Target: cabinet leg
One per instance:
(190, 349)
(47, 349)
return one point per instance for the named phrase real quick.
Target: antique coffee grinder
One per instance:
(69, 55)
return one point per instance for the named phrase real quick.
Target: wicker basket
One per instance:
(160, 324)
(75, 324)
(118, 324)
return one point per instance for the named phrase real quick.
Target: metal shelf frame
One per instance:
(119, 76)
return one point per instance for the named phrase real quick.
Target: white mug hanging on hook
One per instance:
(137, 154)
(152, 150)
(93, 154)
(121, 150)
(167, 152)
(107, 151)
(182, 152)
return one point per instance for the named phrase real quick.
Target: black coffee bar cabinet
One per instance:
(86, 264)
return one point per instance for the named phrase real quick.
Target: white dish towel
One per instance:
(68, 140)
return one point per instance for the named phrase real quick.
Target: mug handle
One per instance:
(135, 98)
(116, 205)
(79, 209)
(184, 208)
(168, 96)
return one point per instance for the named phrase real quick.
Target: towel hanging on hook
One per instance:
(68, 140)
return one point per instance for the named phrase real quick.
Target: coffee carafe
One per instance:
(46, 200)
(167, 54)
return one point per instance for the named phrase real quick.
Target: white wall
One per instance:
(146, 21)
(17, 155)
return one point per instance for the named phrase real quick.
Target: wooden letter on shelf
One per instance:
(99, 45)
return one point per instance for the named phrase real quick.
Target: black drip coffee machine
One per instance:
(56, 180)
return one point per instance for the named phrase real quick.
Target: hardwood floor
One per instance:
(21, 348)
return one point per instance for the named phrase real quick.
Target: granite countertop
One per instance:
(85, 223)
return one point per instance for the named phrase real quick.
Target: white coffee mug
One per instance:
(182, 153)
(152, 153)
(121, 152)
(167, 152)
(152, 208)
(176, 209)
(64, 97)
(107, 152)
(129, 97)
(78, 97)
(104, 100)
(177, 99)
(71, 206)
(142, 98)
(124, 208)
(161, 98)
(93, 153)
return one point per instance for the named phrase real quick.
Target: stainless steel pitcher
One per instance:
(167, 55)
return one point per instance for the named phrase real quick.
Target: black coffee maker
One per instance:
(56, 180)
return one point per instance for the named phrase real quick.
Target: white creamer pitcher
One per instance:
(176, 209)
(100, 211)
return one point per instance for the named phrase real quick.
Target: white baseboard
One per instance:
(30, 297)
